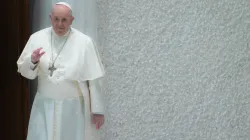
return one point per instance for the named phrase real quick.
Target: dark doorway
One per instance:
(15, 88)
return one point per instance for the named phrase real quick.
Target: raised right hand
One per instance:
(36, 55)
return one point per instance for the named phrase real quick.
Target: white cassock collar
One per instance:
(63, 36)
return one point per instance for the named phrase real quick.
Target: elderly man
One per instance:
(68, 104)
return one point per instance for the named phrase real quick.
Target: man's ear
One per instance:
(73, 18)
(50, 16)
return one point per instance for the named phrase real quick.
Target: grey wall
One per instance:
(176, 69)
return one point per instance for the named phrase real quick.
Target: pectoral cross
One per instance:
(52, 69)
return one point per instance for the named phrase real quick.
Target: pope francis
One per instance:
(68, 104)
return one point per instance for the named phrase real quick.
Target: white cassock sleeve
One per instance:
(96, 96)
(25, 67)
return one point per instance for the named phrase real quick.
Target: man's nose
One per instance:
(60, 23)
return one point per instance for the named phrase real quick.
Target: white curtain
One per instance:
(84, 12)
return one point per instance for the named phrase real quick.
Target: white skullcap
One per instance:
(65, 4)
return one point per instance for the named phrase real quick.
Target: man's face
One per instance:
(61, 19)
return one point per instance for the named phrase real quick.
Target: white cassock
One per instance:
(65, 101)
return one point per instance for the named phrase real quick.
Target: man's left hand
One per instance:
(98, 120)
